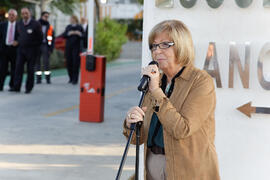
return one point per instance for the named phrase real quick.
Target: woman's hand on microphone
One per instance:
(135, 114)
(153, 73)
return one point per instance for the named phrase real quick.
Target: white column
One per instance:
(91, 25)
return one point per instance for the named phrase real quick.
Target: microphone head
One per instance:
(153, 63)
(143, 86)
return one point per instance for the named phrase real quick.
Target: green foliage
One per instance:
(65, 6)
(134, 30)
(140, 1)
(57, 59)
(109, 38)
(5, 5)
(15, 4)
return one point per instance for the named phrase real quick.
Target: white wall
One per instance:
(242, 142)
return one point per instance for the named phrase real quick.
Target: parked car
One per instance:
(60, 43)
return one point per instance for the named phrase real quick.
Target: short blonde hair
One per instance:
(75, 18)
(180, 35)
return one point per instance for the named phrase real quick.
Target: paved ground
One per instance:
(41, 136)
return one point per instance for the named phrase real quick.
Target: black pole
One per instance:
(124, 156)
(143, 87)
(138, 127)
(132, 127)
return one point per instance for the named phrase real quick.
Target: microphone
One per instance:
(143, 86)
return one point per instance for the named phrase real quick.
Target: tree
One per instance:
(65, 6)
(140, 1)
(15, 4)
(109, 38)
(41, 3)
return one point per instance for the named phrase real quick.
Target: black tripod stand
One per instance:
(133, 126)
(143, 87)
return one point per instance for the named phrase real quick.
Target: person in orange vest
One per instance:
(46, 49)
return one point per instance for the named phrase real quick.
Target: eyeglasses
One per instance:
(163, 45)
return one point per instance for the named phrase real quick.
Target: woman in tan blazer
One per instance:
(178, 129)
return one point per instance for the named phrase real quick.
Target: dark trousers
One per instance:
(45, 55)
(73, 63)
(26, 55)
(9, 55)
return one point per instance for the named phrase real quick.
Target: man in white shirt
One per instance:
(8, 48)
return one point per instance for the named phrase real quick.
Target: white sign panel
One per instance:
(231, 40)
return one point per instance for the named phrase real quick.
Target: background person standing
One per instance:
(30, 38)
(73, 35)
(84, 25)
(46, 48)
(8, 48)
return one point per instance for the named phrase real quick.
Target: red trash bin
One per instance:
(92, 88)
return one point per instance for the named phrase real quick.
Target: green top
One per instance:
(156, 138)
(155, 134)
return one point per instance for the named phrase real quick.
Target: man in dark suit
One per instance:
(8, 48)
(30, 39)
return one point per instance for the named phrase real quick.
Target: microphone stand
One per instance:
(132, 127)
